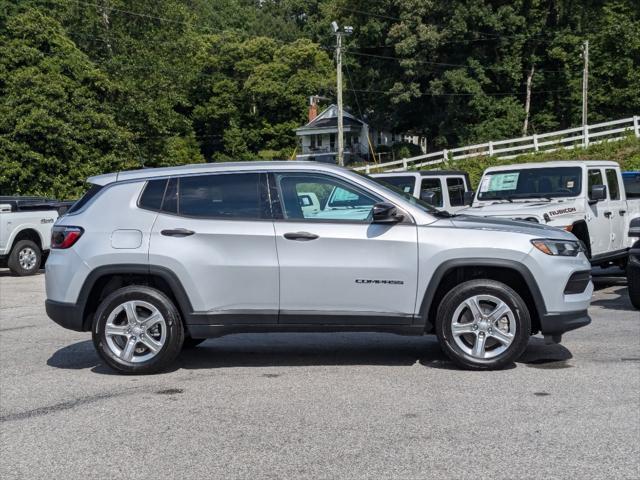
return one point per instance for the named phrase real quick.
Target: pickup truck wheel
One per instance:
(25, 258)
(137, 330)
(633, 284)
(483, 325)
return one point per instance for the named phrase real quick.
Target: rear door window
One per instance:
(223, 196)
(612, 184)
(455, 186)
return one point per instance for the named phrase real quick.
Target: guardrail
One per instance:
(562, 139)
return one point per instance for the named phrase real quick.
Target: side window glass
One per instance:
(612, 184)
(319, 197)
(594, 178)
(456, 191)
(432, 185)
(152, 195)
(224, 196)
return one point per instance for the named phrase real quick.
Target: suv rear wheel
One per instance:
(25, 258)
(137, 329)
(483, 325)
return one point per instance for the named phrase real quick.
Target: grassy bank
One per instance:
(625, 152)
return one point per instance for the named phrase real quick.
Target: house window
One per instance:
(312, 141)
(332, 141)
(319, 140)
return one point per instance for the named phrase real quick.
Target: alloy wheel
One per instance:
(135, 331)
(483, 326)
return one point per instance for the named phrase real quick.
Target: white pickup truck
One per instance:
(586, 198)
(448, 190)
(25, 231)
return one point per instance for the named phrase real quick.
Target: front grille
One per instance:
(578, 282)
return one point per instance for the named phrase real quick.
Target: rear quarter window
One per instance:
(92, 192)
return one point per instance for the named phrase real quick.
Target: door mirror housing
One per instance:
(385, 213)
(428, 196)
(634, 227)
(468, 197)
(598, 192)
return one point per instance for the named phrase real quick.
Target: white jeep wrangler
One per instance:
(586, 198)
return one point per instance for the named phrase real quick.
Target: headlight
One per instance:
(563, 248)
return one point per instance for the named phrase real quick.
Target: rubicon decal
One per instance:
(379, 282)
(562, 211)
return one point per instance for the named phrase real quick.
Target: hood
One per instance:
(502, 225)
(519, 209)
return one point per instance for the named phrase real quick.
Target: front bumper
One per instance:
(555, 324)
(67, 315)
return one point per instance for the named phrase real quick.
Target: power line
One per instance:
(439, 64)
(479, 94)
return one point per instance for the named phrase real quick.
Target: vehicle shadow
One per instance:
(305, 349)
(5, 272)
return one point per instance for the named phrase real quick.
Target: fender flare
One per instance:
(449, 265)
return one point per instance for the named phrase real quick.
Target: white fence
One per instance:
(543, 142)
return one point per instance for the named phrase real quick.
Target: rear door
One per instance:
(215, 232)
(336, 267)
(617, 207)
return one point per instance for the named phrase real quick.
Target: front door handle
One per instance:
(622, 212)
(300, 236)
(177, 232)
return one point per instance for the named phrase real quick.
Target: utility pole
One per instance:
(338, 33)
(585, 81)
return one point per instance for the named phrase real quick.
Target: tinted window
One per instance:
(594, 178)
(319, 197)
(531, 183)
(612, 184)
(92, 192)
(456, 191)
(631, 184)
(432, 185)
(151, 198)
(406, 184)
(235, 195)
(170, 202)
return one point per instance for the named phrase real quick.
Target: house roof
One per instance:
(328, 118)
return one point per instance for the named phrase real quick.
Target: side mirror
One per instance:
(385, 213)
(598, 192)
(634, 227)
(468, 197)
(428, 196)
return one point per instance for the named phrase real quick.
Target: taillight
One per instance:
(64, 237)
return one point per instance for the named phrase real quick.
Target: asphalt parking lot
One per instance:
(319, 406)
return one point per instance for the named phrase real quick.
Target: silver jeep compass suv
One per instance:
(154, 260)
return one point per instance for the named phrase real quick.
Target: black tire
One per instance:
(21, 247)
(633, 284)
(190, 343)
(456, 297)
(174, 330)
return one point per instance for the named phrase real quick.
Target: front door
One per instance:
(336, 267)
(215, 232)
(598, 216)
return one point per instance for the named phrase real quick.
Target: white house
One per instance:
(318, 138)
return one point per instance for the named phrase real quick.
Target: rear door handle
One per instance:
(177, 232)
(622, 212)
(607, 214)
(300, 236)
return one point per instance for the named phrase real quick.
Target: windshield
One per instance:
(531, 183)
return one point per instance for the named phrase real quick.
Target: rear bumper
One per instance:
(559, 323)
(67, 315)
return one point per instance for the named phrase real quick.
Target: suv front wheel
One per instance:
(137, 330)
(483, 325)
